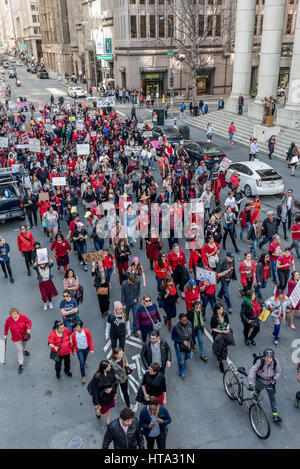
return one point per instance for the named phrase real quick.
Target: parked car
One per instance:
(43, 74)
(77, 92)
(12, 73)
(202, 151)
(257, 178)
(171, 134)
(18, 63)
(11, 205)
(280, 91)
(6, 65)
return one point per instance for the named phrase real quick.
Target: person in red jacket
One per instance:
(234, 180)
(26, 246)
(18, 324)
(192, 293)
(248, 273)
(197, 259)
(82, 342)
(61, 248)
(60, 341)
(177, 261)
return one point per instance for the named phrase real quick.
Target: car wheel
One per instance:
(248, 191)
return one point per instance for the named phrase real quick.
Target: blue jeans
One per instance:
(82, 357)
(231, 138)
(208, 299)
(273, 270)
(182, 357)
(248, 227)
(225, 292)
(276, 331)
(200, 342)
(81, 249)
(110, 271)
(159, 281)
(133, 308)
(70, 322)
(99, 245)
(254, 247)
(263, 285)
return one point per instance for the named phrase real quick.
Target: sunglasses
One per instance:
(66, 296)
(147, 301)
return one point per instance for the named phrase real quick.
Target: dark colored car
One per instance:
(6, 65)
(202, 151)
(170, 133)
(11, 205)
(43, 74)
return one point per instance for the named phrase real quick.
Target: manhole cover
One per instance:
(75, 443)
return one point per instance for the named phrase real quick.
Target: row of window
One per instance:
(162, 2)
(152, 26)
(289, 26)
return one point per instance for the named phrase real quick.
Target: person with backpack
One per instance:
(266, 371)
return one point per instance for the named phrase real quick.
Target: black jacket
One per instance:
(133, 439)
(30, 207)
(224, 265)
(247, 313)
(146, 354)
(260, 272)
(269, 229)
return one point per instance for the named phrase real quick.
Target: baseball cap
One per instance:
(192, 282)
(87, 215)
(80, 224)
(229, 254)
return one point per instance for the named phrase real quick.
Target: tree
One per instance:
(193, 24)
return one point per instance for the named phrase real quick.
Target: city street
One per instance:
(46, 413)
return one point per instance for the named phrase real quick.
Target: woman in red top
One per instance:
(192, 293)
(248, 273)
(283, 265)
(25, 241)
(291, 286)
(154, 246)
(256, 208)
(197, 259)
(177, 261)
(19, 325)
(161, 269)
(60, 341)
(109, 262)
(61, 248)
(212, 251)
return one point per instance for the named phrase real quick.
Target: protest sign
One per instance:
(91, 257)
(207, 276)
(34, 145)
(59, 181)
(148, 134)
(80, 125)
(22, 104)
(295, 295)
(225, 163)
(106, 101)
(25, 146)
(93, 134)
(3, 142)
(48, 127)
(83, 149)
(43, 196)
(42, 256)
(135, 150)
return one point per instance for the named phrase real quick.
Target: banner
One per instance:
(25, 146)
(3, 142)
(225, 163)
(207, 276)
(59, 181)
(295, 295)
(34, 145)
(106, 101)
(83, 149)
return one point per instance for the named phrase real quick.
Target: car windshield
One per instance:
(170, 130)
(212, 150)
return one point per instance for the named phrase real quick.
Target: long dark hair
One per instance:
(67, 273)
(102, 367)
(262, 258)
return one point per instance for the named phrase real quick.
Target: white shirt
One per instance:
(289, 202)
(230, 202)
(81, 340)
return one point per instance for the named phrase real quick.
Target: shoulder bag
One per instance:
(25, 336)
(156, 325)
(55, 355)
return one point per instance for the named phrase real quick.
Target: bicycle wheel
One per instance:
(259, 421)
(231, 384)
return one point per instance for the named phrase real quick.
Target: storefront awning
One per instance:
(154, 70)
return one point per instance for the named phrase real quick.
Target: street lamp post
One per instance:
(171, 65)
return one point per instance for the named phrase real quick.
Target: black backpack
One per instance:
(262, 361)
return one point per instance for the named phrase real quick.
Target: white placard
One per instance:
(135, 150)
(83, 149)
(148, 134)
(34, 145)
(48, 127)
(22, 147)
(3, 142)
(42, 256)
(93, 134)
(225, 163)
(106, 101)
(59, 181)
(80, 125)
(207, 276)
(295, 295)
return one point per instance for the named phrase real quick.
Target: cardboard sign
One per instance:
(91, 257)
(4, 142)
(27, 127)
(225, 163)
(43, 196)
(295, 295)
(42, 256)
(34, 145)
(83, 149)
(207, 276)
(59, 181)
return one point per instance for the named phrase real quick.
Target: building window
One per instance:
(169, 25)
(34, 18)
(261, 24)
(201, 25)
(152, 26)
(32, 7)
(132, 2)
(142, 2)
(143, 29)
(36, 30)
(218, 25)
(210, 22)
(133, 29)
(161, 2)
(255, 25)
(151, 2)
(289, 24)
(210, 2)
(161, 27)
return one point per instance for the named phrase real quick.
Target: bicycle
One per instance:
(234, 385)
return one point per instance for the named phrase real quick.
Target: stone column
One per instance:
(274, 14)
(290, 115)
(242, 67)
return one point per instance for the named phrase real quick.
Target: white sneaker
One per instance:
(45, 306)
(183, 295)
(50, 305)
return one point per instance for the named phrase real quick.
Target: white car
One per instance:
(77, 92)
(256, 178)
(280, 91)
(18, 63)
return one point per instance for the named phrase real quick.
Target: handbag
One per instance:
(128, 370)
(294, 160)
(102, 291)
(79, 294)
(156, 325)
(25, 336)
(140, 398)
(55, 355)
(264, 314)
(44, 224)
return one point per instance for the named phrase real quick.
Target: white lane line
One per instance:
(121, 114)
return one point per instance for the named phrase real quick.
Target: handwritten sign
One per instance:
(83, 149)
(4, 142)
(59, 181)
(106, 101)
(43, 196)
(34, 145)
(42, 256)
(207, 276)
(225, 163)
(91, 257)
(135, 150)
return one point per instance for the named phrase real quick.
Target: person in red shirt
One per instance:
(25, 241)
(234, 180)
(263, 272)
(248, 273)
(283, 265)
(192, 293)
(296, 236)
(82, 343)
(274, 252)
(60, 341)
(161, 269)
(19, 325)
(177, 261)
(212, 252)
(61, 248)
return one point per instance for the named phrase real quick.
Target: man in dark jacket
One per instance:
(241, 102)
(184, 340)
(269, 228)
(30, 204)
(125, 432)
(224, 265)
(156, 350)
(282, 215)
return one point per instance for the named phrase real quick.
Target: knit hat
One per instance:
(118, 305)
(133, 259)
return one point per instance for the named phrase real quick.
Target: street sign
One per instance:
(104, 57)
(171, 53)
(108, 46)
(24, 46)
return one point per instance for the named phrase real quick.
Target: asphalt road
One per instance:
(38, 411)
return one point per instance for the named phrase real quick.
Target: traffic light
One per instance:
(171, 81)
